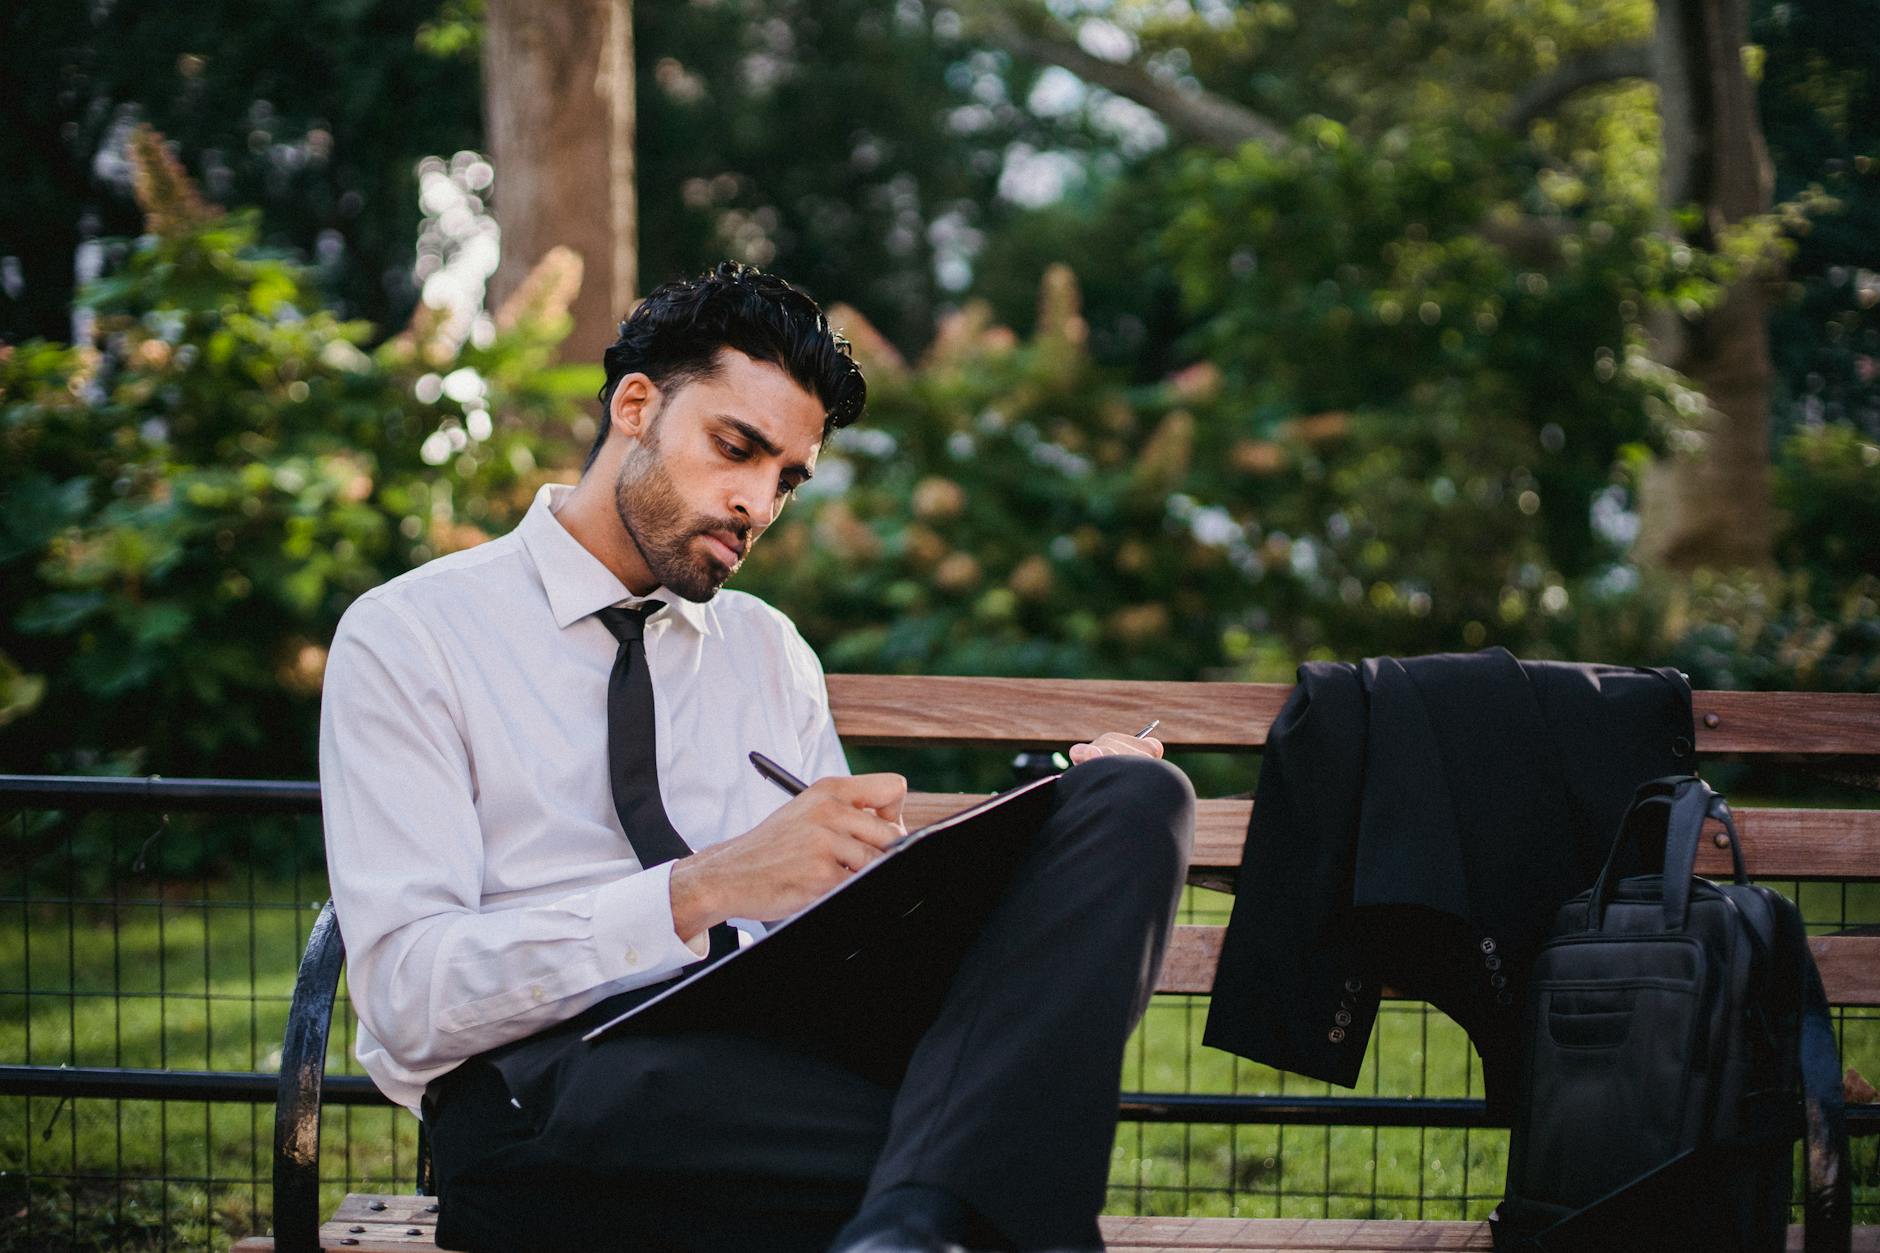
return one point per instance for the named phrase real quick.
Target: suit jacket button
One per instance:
(1342, 1018)
(1488, 944)
(1353, 985)
(1493, 963)
(1498, 981)
(1336, 1035)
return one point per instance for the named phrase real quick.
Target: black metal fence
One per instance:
(149, 934)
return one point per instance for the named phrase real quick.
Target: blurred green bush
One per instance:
(191, 503)
(1398, 438)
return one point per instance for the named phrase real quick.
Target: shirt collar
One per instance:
(574, 578)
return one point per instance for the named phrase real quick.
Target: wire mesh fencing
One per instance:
(147, 961)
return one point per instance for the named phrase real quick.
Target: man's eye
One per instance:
(733, 451)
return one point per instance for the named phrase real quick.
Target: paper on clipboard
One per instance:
(962, 855)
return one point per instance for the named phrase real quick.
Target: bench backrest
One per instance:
(1837, 734)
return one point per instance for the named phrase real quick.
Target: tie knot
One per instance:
(629, 624)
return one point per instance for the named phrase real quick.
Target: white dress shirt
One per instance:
(484, 887)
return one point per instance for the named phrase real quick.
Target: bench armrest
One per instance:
(303, 1071)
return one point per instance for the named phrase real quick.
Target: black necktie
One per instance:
(633, 757)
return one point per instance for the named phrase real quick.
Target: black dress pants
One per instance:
(982, 1056)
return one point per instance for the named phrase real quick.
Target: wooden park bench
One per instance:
(1836, 735)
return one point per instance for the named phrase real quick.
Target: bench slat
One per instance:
(1026, 713)
(1258, 1235)
(1019, 713)
(404, 1210)
(1850, 964)
(1355, 1235)
(1787, 724)
(384, 1234)
(1778, 843)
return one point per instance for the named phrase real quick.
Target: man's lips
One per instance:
(729, 551)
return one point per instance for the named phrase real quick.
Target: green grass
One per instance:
(191, 978)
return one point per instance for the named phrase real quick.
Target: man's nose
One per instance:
(755, 507)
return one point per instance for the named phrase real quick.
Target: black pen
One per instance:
(777, 774)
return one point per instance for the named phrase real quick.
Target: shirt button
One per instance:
(632, 955)
(535, 992)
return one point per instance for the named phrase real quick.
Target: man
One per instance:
(538, 811)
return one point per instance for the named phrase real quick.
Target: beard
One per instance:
(666, 530)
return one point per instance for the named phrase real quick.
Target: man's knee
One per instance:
(1139, 799)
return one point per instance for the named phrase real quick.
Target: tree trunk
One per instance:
(1708, 504)
(558, 109)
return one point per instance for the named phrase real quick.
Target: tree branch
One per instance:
(1589, 69)
(1205, 118)
(1216, 122)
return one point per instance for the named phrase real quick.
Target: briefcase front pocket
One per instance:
(1608, 1091)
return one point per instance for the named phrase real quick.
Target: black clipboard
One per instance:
(960, 863)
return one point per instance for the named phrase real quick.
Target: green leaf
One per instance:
(60, 612)
(20, 692)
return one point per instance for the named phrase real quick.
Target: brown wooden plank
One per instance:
(1173, 1235)
(1787, 724)
(340, 1239)
(1188, 966)
(1258, 1234)
(1799, 844)
(402, 1210)
(1850, 964)
(1777, 843)
(1012, 712)
(1027, 713)
(1850, 967)
(1356, 1235)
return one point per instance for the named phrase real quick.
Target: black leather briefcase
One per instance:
(1676, 1043)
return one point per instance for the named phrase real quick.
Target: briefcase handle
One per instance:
(1689, 801)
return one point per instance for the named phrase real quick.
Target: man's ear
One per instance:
(631, 409)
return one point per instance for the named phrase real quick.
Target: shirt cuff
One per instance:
(633, 930)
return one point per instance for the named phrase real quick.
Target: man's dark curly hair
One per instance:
(674, 336)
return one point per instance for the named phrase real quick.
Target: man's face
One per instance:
(716, 462)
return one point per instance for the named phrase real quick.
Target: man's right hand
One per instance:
(816, 841)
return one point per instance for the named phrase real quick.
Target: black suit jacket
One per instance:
(1416, 823)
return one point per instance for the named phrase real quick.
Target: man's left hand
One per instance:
(1115, 744)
